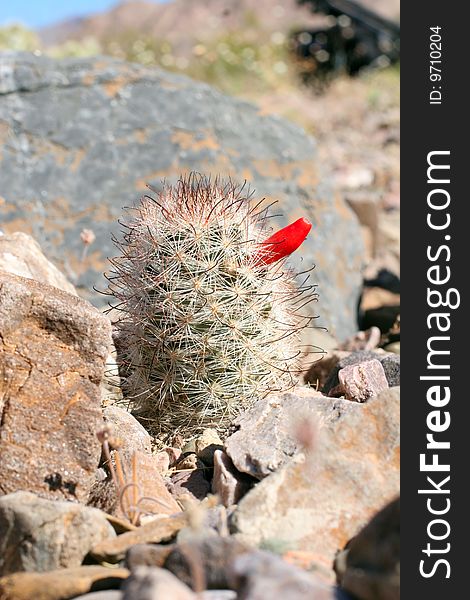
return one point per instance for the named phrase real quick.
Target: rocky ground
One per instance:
(288, 505)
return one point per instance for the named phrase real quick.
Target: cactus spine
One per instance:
(209, 317)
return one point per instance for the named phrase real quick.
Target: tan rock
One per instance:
(21, 255)
(132, 435)
(58, 534)
(318, 503)
(152, 494)
(58, 585)
(53, 347)
(160, 530)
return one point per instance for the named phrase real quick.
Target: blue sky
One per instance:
(38, 13)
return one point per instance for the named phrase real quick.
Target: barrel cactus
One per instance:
(210, 317)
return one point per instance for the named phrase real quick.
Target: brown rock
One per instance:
(315, 345)
(312, 562)
(152, 583)
(318, 503)
(362, 381)
(369, 568)
(21, 255)
(43, 535)
(53, 347)
(59, 585)
(366, 206)
(160, 530)
(393, 347)
(229, 484)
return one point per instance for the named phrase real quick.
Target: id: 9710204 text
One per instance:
(435, 65)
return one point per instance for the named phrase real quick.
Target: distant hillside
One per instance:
(184, 22)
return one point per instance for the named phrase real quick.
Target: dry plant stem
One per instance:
(135, 489)
(196, 567)
(121, 477)
(131, 512)
(109, 462)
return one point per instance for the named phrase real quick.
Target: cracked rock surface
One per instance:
(53, 348)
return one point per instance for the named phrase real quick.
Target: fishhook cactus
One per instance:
(210, 317)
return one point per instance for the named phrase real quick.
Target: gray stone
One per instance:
(317, 501)
(265, 439)
(229, 484)
(84, 136)
(369, 568)
(43, 535)
(391, 366)
(53, 347)
(260, 575)
(354, 358)
(213, 555)
(152, 583)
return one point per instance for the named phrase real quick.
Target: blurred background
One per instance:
(330, 67)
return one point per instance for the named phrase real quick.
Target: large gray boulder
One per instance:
(82, 137)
